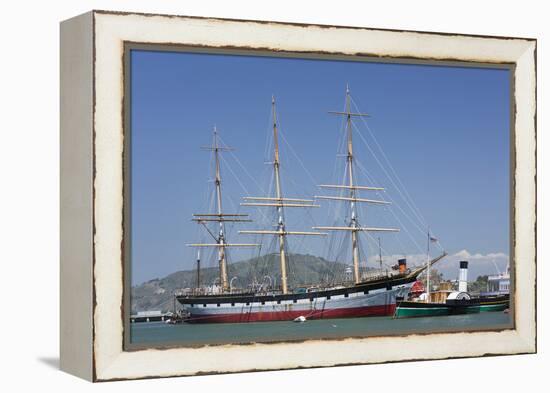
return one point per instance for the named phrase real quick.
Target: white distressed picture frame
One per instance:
(92, 202)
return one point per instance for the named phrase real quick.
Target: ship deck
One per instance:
(383, 283)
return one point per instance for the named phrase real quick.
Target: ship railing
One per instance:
(211, 291)
(382, 274)
(370, 274)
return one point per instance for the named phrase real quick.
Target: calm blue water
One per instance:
(159, 333)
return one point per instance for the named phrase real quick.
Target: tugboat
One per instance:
(451, 303)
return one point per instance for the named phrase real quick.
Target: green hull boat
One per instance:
(494, 303)
(408, 309)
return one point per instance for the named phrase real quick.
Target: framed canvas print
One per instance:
(248, 195)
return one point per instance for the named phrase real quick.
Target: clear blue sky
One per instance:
(444, 129)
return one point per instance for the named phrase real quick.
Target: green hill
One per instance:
(157, 294)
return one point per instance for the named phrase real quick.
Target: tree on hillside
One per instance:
(479, 285)
(435, 278)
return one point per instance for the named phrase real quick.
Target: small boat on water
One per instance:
(408, 309)
(451, 302)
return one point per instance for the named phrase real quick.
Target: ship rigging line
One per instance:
(336, 215)
(333, 249)
(401, 224)
(210, 197)
(302, 243)
(296, 187)
(389, 176)
(396, 187)
(385, 251)
(281, 134)
(258, 257)
(226, 165)
(243, 168)
(404, 194)
(337, 247)
(414, 206)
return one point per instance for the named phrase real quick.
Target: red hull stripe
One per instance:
(266, 316)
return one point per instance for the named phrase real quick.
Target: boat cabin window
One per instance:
(204, 305)
(346, 294)
(218, 304)
(328, 297)
(295, 301)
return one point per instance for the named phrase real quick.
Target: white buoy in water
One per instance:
(301, 318)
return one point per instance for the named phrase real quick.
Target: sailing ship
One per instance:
(371, 295)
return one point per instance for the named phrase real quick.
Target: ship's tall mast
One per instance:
(221, 236)
(353, 223)
(428, 294)
(380, 253)
(219, 217)
(353, 226)
(279, 202)
(198, 268)
(280, 223)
